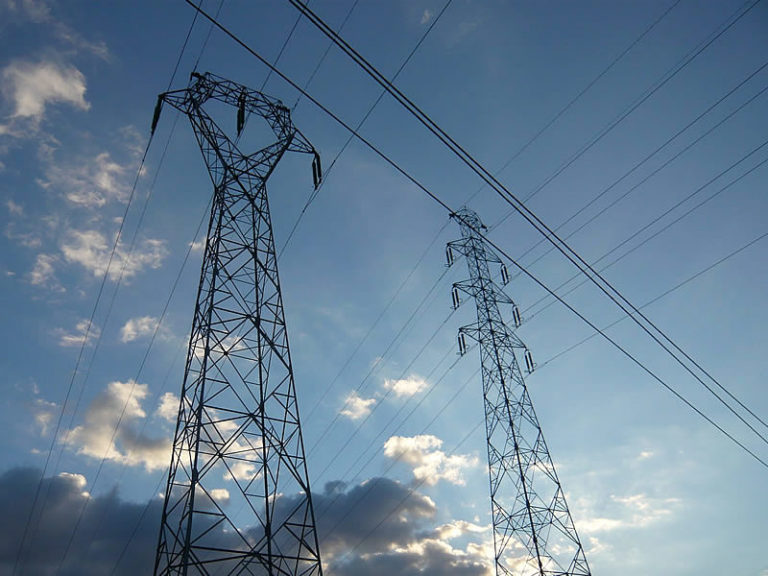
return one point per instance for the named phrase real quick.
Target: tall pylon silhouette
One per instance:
(533, 531)
(238, 499)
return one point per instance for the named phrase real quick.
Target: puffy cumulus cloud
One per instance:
(106, 524)
(96, 437)
(84, 333)
(168, 408)
(137, 328)
(90, 182)
(90, 249)
(430, 464)
(406, 387)
(32, 86)
(355, 407)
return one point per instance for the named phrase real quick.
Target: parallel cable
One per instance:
(667, 292)
(666, 77)
(365, 117)
(658, 169)
(84, 344)
(447, 207)
(378, 319)
(578, 96)
(653, 331)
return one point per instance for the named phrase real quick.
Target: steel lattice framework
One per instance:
(238, 499)
(532, 527)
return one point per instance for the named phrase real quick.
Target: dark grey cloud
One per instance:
(105, 528)
(376, 527)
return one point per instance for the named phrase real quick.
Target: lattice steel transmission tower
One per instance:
(532, 527)
(238, 499)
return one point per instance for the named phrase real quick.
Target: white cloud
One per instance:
(138, 327)
(34, 85)
(356, 407)
(430, 464)
(81, 334)
(90, 249)
(43, 273)
(198, 246)
(13, 208)
(625, 512)
(406, 387)
(168, 408)
(43, 412)
(90, 183)
(221, 495)
(645, 454)
(99, 438)
(426, 16)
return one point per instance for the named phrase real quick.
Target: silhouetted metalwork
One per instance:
(238, 499)
(532, 527)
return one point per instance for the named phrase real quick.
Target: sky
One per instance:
(630, 127)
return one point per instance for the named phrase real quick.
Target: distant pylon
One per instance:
(238, 499)
(532, 528)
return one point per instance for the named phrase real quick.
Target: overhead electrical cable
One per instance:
(85, 341)
(578, 96)
(436, 199)
(392, 342)
(647, 177)
(657, 219)
(666, 77)
(656, 334)
(664, 294)
(365, 117)
(348, 361)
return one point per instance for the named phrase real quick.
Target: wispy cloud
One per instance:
(90, 249)
(81, 334)
(426, 16)
(90, 183)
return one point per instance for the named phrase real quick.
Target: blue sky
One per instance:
(650, 484)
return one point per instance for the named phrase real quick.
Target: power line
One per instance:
(659, 336)
(365, 117)
(667, 292)
(644, 160)
(578, 96)
(532, 218)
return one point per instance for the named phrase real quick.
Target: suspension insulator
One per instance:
(156, 115)
(516, 318)
(462, 344)
(455, 297)
(448, 256)
(240, 113)
(504, 275)
(317, 174)
(529, 365)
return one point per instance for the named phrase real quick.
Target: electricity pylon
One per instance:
(532, 528)
(237, 499)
